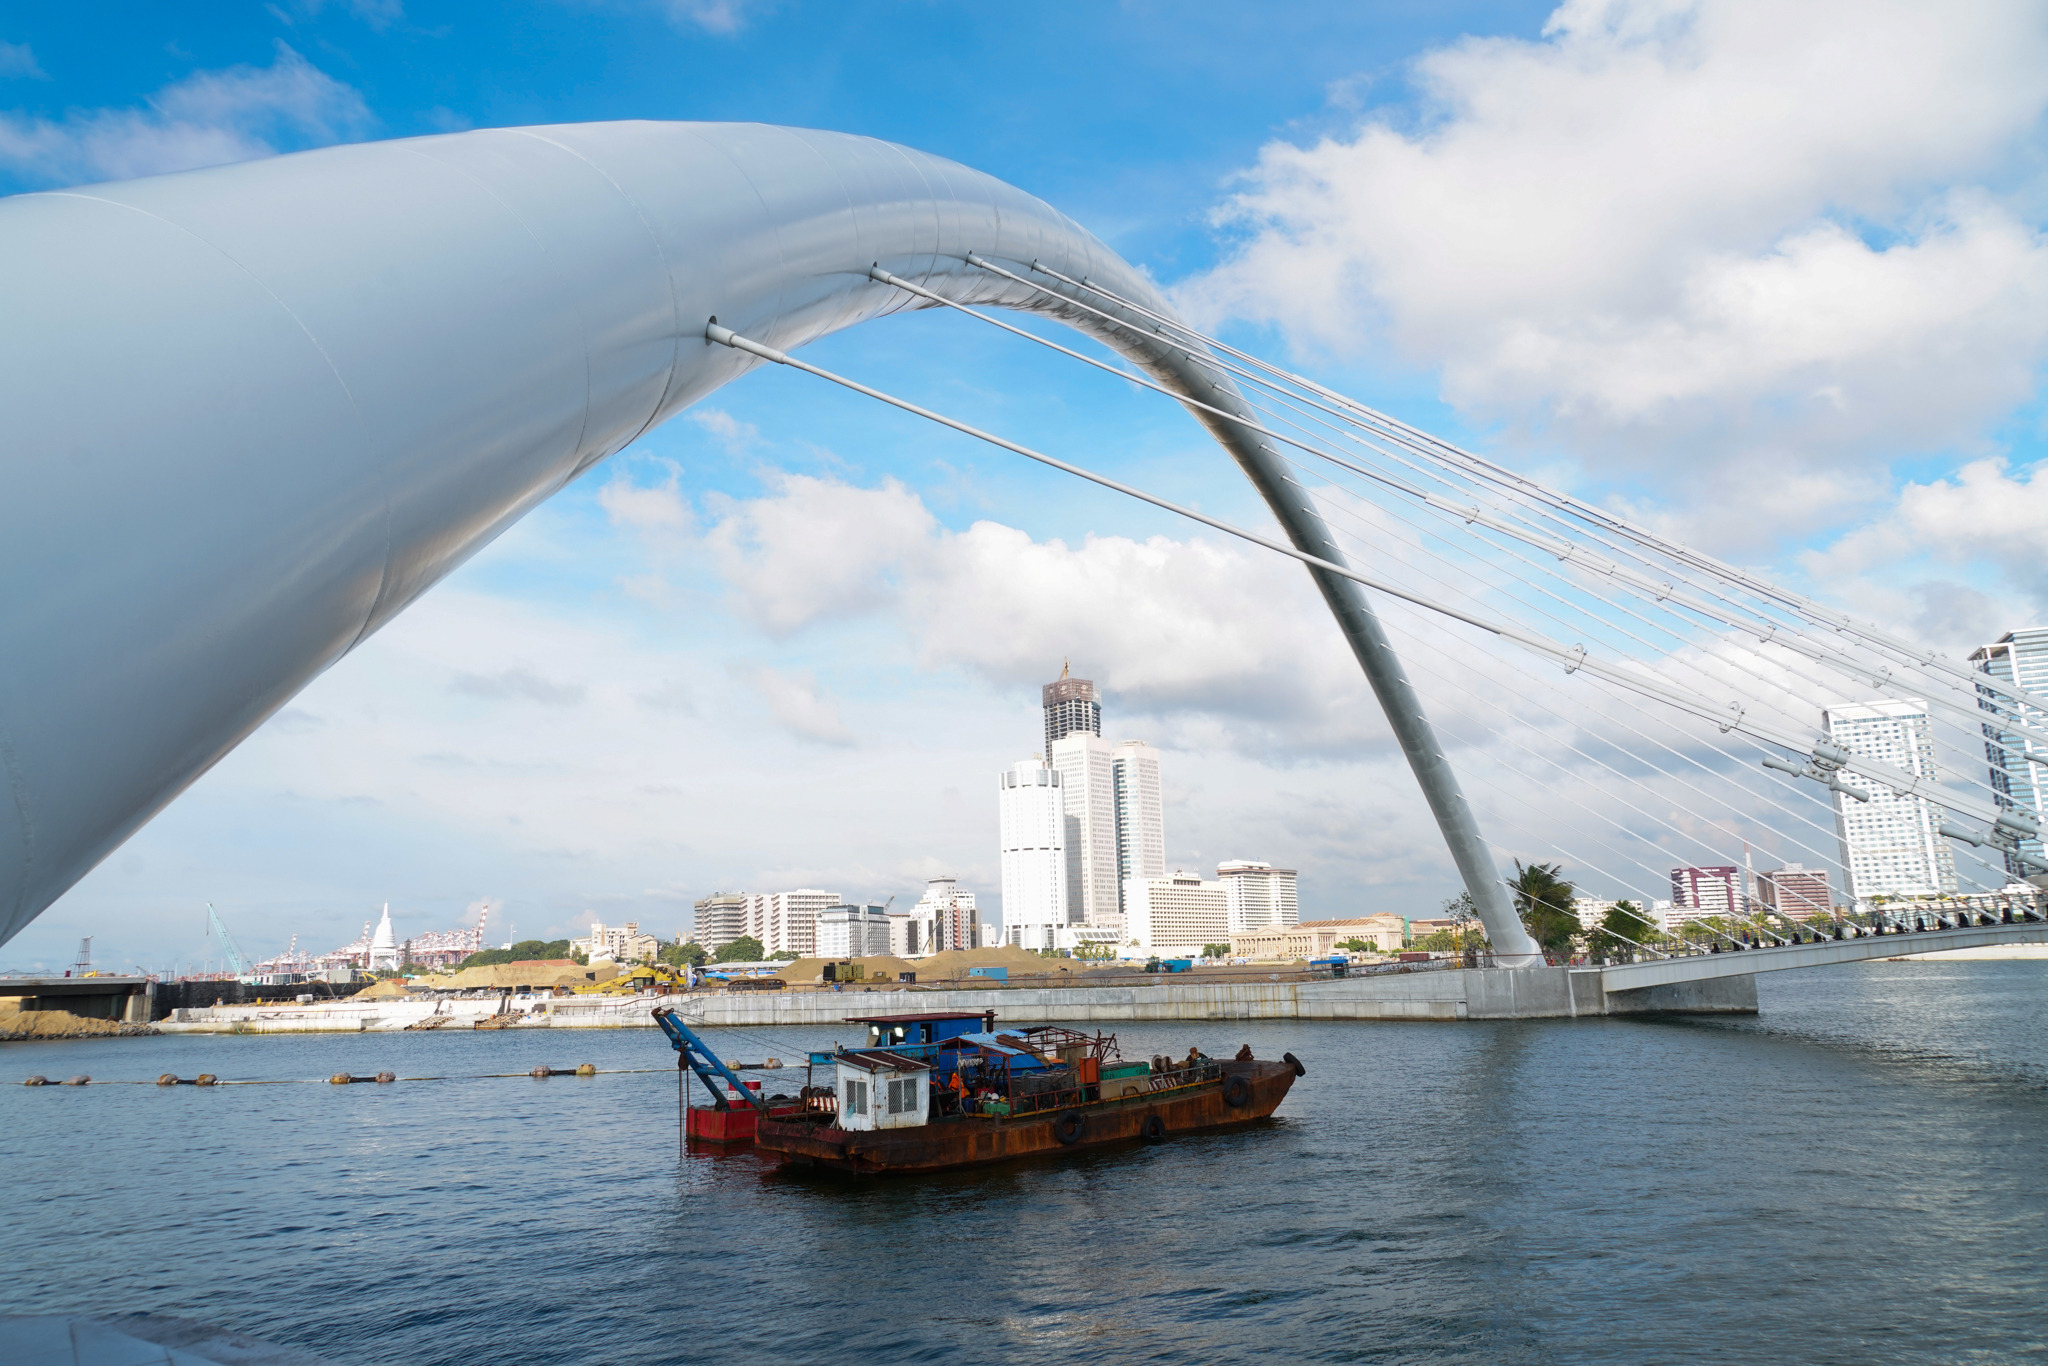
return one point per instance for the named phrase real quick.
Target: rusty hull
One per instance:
(972, 1141)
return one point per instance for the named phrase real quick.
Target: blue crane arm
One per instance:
(227, 943)
(705, 1063)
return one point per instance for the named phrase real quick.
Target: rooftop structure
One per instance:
(1072, 706)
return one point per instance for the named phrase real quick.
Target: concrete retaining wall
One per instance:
(1445, 994)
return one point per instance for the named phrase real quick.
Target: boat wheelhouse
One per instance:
(880, 1089)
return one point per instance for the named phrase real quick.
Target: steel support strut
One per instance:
(1141, 339)
(1512, 945)
(1310, 537)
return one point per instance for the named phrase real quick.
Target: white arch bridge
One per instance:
(255, 411)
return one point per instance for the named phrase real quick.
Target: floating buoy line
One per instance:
(540, 1072)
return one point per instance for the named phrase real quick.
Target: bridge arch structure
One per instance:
(254, 411)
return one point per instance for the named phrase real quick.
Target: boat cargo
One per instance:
(942, 1090)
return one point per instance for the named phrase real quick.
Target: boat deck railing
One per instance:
(1039, 1102)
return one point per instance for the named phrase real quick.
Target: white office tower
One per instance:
(853, 932)
(787, 922)
(1086, 764)
(1258, 895)
(1033, 819)
(1891, 845)
(2021, 659)
(946, 917)
(1140, 820)
(1176, 915)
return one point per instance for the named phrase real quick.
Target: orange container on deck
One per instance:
(1090, 1071)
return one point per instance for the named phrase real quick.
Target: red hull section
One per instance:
(973, 1140)
(736, 1125)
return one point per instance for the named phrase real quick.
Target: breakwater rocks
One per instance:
(62, 1024)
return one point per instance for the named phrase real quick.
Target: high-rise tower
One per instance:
(1072, 706)
(1034, 828)
(1140, 823)
(2018, 774)
(1892, 844)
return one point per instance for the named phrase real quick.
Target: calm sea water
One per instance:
(1856, 1175)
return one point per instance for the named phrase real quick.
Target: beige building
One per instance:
(1177, 914)
(617, 943)
(1319, 938)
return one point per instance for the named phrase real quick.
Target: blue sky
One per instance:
(1775, 282)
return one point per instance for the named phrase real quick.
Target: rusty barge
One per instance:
(940, 1091)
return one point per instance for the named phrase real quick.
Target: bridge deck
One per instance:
(1703, 967)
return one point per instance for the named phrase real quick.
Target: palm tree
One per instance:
(1544, 899)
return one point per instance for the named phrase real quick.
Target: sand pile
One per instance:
(538, 972)
(881, 968)
(16, 1023)
(390, 989)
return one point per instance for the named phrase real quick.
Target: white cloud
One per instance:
(722, 17)
(1985, 521)
(817, 548)
(1209, 638)
(209, 118)
(800, 706)
(16, 60)
(657, 508)
(733, 434)
(522, 683)
(1755, 229)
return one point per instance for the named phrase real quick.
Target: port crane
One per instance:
(236, 963)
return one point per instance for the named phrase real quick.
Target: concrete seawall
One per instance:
(1439, 995)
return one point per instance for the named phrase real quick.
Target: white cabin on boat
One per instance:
(883, 1090)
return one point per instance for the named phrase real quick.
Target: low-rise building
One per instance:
(617, 943)
(1320, 938)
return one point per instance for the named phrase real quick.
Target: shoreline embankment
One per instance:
(1442, 995)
